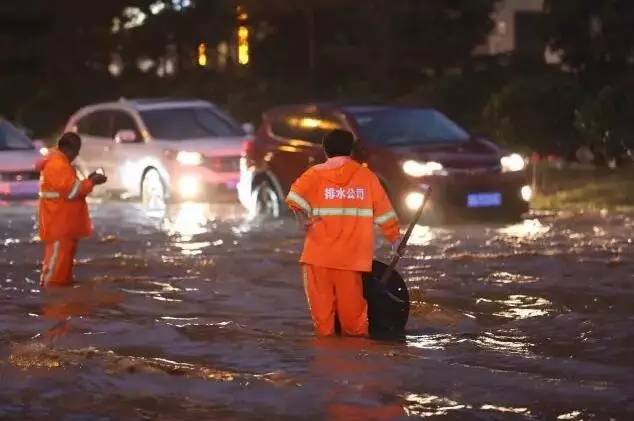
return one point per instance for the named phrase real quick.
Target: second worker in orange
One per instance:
(63, 213)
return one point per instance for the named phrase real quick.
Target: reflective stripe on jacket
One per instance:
(344, 200)
(63, 212)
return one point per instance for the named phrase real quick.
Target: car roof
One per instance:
(346, 108)
(143, 104)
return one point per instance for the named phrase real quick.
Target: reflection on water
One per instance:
(429, 405)
(422, 235)
(574, 415)
(496, 408)
(433, 341)
(193, 248)
(425, 405)
(503, 277)
(518, 306)
(529, 228)
(511, 342)
(523, 307)
(187, 220)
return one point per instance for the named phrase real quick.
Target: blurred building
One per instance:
(516, 29)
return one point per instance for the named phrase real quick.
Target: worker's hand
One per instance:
(97, 178)
(310, 222)
(303, 220)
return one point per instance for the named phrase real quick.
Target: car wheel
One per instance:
(267, 201)
(153, 190)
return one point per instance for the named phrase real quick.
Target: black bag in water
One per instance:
(387, 316)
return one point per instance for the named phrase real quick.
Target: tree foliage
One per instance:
(535, 112)
(386, 45)
(595, 37)
(606, 123)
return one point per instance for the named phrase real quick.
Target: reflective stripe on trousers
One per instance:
(52, 264)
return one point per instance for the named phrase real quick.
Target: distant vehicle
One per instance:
(158, 149)
(18, 155)
(405, 147)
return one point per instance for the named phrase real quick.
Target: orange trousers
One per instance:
(59, 257)
(336, 293)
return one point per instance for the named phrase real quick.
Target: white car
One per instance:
(18, 155)
(160, 148)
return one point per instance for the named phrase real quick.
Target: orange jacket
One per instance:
(343, 199)
(63, 212)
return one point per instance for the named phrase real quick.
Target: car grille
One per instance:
(223, 163)
(19, 176)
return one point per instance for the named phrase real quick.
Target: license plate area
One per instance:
(484, 200)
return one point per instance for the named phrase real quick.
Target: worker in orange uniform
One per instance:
(339, 201)
(63, 213)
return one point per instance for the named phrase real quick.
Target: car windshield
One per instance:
(408, 127)
(13, 139)
(189, 123)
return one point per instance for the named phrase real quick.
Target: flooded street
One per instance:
(201, 313)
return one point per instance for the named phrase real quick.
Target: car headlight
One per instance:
(189, 158)
(414, 200)
(512, 163)
(527, 193)
(189, 187)
(421, 169)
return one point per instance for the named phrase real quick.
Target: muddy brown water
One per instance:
(200, 313)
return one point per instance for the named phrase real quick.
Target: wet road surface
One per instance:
(200, 313)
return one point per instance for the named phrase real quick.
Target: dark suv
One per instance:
(405, 147)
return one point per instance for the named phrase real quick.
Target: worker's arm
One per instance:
(384, 215)
(297, 199)
(64, 181)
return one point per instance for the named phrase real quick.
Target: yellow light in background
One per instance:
(243, 45)
(202, 54)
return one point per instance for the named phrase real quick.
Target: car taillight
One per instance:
(247, 147)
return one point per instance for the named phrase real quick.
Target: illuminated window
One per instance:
(202, 54)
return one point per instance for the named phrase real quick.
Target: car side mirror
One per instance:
(248, 128)
(125, 136)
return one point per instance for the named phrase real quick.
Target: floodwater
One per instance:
(200, 313)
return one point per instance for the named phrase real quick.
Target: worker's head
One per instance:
(338, 143)
(69, 144)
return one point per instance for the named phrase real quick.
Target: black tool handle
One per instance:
(400, 250)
